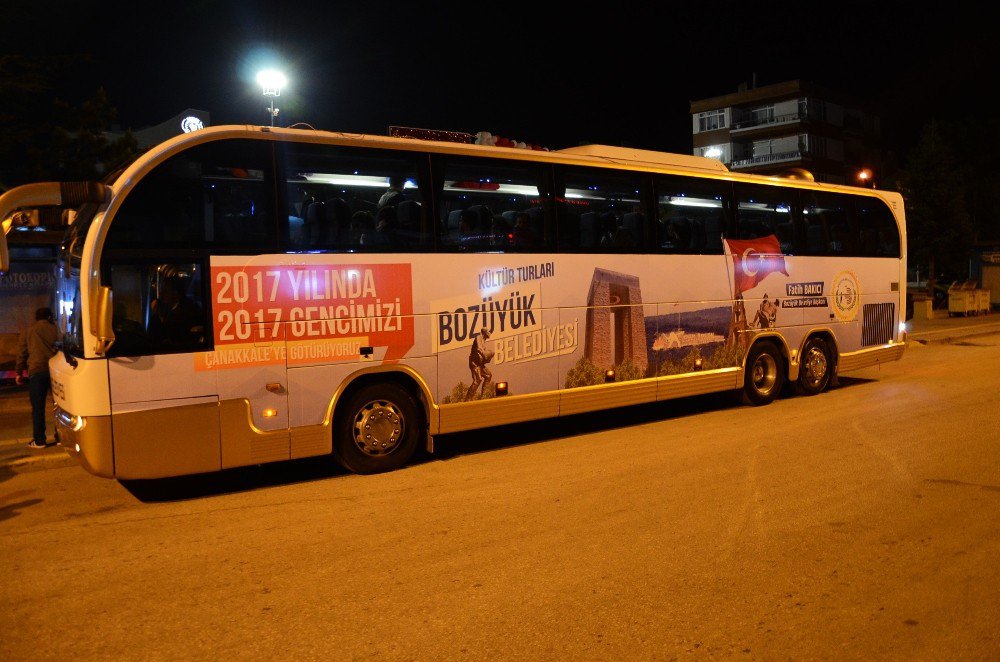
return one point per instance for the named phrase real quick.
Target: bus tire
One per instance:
(377, 428)
(764, 374)
(815, 368)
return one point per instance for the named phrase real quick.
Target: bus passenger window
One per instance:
(826, 227)
(691, 215)
(601, 211)
(880, 236)
(216, 195)
(488, 205)
(158, 309)
(762, 211)
(351, 199)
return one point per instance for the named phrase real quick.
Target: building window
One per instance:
(763, 115)
(763, 148)
(711, 120)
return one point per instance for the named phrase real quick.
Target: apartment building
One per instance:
(795, 124)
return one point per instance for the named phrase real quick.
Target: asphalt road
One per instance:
(862, 523)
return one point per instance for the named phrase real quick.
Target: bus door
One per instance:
(249, 358)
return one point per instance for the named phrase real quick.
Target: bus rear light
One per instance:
(501, 388)
(609, 376)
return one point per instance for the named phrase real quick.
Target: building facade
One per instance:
(774, 128)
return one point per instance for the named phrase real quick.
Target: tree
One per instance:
(934, 186)
(48, 136)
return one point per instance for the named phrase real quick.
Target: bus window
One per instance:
(216, 195)
(342, 198)
(488, 205)
(158, 308)
(766, 210)
(825, 225)
(601, 211)
(879, 234)
(691, 215)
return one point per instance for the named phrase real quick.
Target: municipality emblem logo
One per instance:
(846, 296)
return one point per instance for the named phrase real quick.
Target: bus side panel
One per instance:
(164, 377)
(153, 441)
(313, 392)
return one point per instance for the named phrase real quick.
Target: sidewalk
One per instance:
(15, 411)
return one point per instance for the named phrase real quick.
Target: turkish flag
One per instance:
(754, 259)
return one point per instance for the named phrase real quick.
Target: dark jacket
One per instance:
(37, 347)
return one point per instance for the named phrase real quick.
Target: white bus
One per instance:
(242, 295)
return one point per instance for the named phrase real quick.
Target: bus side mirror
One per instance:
(101, 320)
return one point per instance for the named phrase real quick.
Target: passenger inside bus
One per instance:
(394, 194)
(524, 236)
(385, 229)
(176, 320)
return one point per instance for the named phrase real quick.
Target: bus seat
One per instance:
(408, 214)
(633, 222)
(510, 216)
(484, 219)
(454, 221)
(712, 229)
(784, 233)
(588, 229)
(312, 227)
(815, 241)
(697, 236)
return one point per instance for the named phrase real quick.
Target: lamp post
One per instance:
(271, 81)
(866, 178)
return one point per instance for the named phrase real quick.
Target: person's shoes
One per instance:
(34, 443)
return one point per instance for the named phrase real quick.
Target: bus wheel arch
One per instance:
(817, 364)
(379, 421)
(765, 371)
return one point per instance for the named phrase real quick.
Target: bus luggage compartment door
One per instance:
(254, 405)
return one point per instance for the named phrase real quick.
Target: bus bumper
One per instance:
(88, 440)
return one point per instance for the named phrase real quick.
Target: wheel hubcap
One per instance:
(764, 374)
(378, 427)
(815, 366)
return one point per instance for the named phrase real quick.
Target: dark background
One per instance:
(552, 74)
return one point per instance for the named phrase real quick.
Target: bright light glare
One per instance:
(713, 153)
(692, 202)
(271, 80)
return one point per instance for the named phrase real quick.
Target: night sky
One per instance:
(567, 74)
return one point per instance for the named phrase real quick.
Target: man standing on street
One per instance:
(37, 347)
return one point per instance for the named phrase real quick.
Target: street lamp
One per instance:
(866, 178)
(272, 80)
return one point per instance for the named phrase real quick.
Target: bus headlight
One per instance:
(73, 422)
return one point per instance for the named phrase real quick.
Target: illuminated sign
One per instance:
(191, 123)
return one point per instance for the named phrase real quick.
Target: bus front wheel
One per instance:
(377, 429)
(764, 374)
(815, 368)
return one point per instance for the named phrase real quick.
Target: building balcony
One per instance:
(751, 122)
(769, 159)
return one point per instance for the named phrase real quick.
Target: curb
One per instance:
(944, 335)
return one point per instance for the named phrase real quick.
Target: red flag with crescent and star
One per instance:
(754, 260)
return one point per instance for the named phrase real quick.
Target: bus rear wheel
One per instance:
(764, 374)
(377, 429)
(815, 368)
